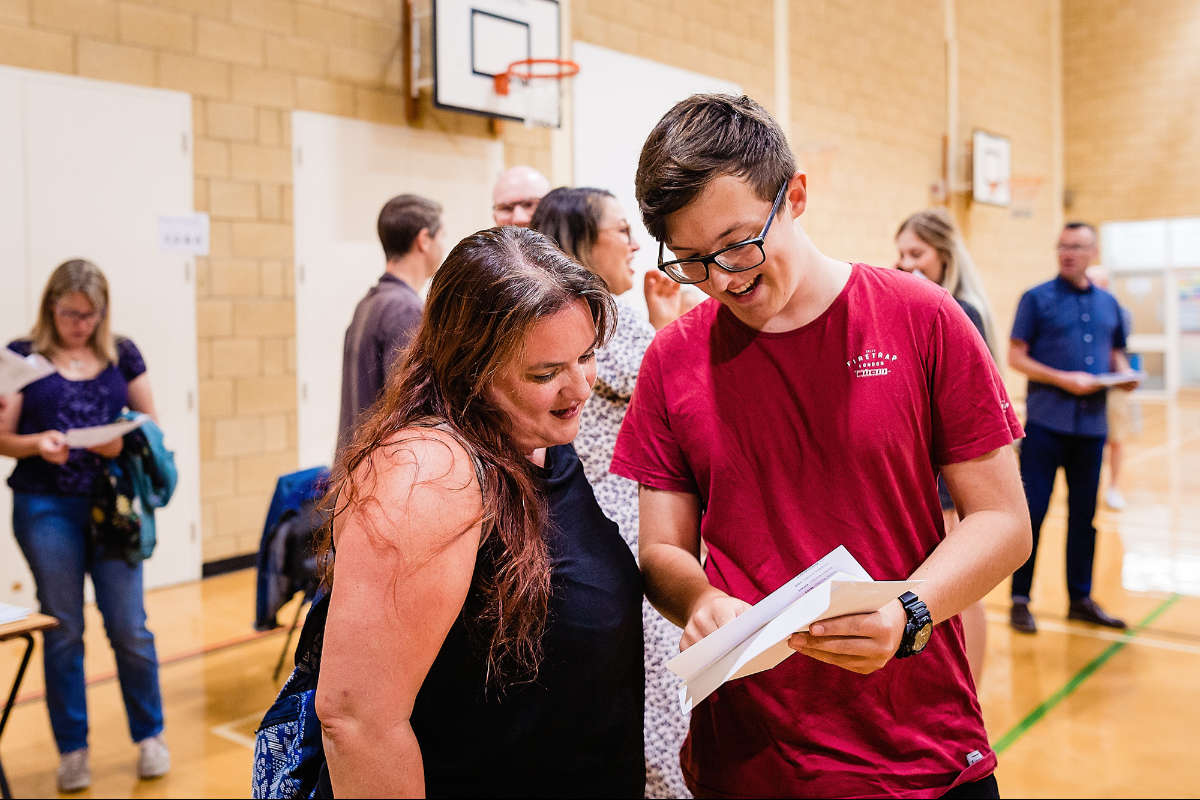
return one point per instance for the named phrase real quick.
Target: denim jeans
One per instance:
(52, 532)
(1042, 452)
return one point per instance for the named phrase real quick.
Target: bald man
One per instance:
(516, 196)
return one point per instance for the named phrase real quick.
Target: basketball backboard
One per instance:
(475, 40)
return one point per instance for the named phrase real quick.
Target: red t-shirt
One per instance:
(798, 442)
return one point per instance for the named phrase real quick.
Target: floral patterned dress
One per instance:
(617, 367)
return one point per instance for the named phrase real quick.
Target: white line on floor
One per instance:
(231, 731)
(1109, 636)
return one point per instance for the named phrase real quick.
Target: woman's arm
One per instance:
(402, 571)
(50, 445)
(141, 398)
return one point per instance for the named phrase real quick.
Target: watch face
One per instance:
(922, 637)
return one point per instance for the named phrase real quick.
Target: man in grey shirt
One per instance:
(411, 232)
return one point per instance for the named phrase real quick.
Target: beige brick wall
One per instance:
(868, 112)
(247, 64)
(726, 39)
(1008, 85)
(1132, 101)
(868, 97)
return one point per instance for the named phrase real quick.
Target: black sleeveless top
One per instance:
(577, 730)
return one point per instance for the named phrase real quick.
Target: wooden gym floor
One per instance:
(1074, 711)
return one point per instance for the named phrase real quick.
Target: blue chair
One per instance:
(285, 564)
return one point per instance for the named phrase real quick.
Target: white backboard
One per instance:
(474, 40)
(991, 168)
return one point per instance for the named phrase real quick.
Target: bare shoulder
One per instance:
(418, 487)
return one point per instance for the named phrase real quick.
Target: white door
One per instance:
(611, 123)
(16, 584)
(101, 163)
(345, 170)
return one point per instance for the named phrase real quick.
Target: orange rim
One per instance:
(564, 68)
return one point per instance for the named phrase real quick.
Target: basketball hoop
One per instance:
(523, 71)
(1024, 190)
(536, 87)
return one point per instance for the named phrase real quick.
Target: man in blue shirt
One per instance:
(1066, 332)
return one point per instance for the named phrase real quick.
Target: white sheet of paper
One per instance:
(101, 434)
(1117, 378)
(757, 639)
(16, 372)
(11, 613)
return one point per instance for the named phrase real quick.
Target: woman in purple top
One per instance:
(98, 376)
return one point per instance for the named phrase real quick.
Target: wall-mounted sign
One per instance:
(991, 168)
(183, 233)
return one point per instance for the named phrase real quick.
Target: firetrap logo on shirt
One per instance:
(873, 361)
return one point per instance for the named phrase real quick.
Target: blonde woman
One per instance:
(98, 376)
(929, 245)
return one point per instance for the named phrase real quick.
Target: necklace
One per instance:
(74, 363)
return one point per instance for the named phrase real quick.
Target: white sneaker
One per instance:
(154, 759)
(1114, 499)
(74, 774)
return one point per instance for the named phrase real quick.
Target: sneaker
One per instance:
(1086, 610)
(74, 774)
(1114, 499)
(154, 759)
(1021, 619)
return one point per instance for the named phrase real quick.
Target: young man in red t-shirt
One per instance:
(810, 406)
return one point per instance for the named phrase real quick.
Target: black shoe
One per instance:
(1020, 618)
(1086, 610)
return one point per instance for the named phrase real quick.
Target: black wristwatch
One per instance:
(918, 629)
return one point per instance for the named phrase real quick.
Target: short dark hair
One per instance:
(702, 138)
(570, 216)
(1077, 224)
(402, 218)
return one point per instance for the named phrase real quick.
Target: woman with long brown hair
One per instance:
(484, 626)
(97, 376)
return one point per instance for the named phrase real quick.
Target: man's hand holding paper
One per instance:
(861, 643)
(855, 617)
(712, 611)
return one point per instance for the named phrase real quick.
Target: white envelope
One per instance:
(757, 639)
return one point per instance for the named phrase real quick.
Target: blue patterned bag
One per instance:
(289, 759)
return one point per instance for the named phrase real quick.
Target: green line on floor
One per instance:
(1017, 731)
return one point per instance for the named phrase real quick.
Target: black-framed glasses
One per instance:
(737, 257)
(71, 315)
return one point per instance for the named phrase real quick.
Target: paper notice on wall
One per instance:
(17, 372)
(101, 434)
(183, 233)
